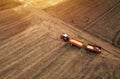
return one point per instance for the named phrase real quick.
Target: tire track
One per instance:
(116, 39)
(102, 15)
(105, 47)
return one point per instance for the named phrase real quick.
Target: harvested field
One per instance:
(31, 48)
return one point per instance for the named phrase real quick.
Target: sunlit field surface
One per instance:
(7, 4)
(44, 3)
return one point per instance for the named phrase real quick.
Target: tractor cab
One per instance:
(65, 37)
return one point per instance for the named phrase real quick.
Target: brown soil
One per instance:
(30, 48)
(7, 4)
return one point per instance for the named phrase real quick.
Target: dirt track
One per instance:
(30, 48)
